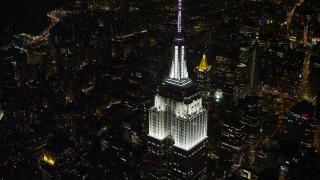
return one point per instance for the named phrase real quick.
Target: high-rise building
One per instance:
(203, 78)
(300, 123)
(253, 68)
(232, 146)
(177, 137)
(57, 159)
(224, 75)
(242, 83)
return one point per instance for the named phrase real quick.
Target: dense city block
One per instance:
(160, 89)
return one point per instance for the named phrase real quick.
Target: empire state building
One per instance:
(177, 139)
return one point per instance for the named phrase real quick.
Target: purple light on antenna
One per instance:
(179, 15)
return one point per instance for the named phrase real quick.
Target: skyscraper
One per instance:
(203, 78)
(57, 160)
(177, 136)
(224, 75)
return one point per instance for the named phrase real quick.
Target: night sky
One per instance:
(27, 15)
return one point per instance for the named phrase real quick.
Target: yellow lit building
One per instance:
(48, 159)
(204, 67)
(203, 78)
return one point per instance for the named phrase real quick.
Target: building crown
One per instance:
(204, 65)
(178, 71)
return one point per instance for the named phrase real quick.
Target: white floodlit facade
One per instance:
(186, 124)
(183, 121)
(179, 66)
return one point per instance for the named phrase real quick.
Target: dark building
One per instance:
(253, 68)
(224, 75)
(232, 144)
(57, 159)
(242, 84)
(317, 108)
(301, 124)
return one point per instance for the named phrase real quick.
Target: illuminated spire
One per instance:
(178, 72)
(179, 15)
(204, 65)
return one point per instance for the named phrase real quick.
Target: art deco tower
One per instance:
(177, 136)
